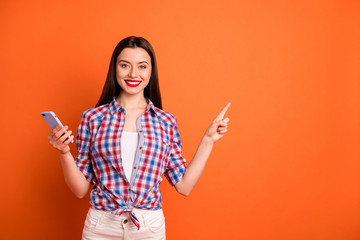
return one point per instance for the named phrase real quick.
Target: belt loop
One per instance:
(143, 217)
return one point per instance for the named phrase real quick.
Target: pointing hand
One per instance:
(218, 128)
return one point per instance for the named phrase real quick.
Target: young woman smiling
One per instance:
(125, 145)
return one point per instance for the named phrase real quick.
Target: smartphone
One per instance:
(52, 120)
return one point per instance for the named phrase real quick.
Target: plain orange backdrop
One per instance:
(287, 170)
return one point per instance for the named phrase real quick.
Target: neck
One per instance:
(131, 101)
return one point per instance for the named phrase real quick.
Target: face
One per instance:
(133, 70)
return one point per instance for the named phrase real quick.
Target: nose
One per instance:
(133, 72)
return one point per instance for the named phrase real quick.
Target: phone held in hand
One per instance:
(52, 120)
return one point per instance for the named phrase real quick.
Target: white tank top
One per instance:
(129, 143)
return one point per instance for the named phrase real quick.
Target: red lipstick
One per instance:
(132, 83)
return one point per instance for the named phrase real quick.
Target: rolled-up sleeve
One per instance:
(176, 165)
(83, 160)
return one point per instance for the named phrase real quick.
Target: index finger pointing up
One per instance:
(222, 113)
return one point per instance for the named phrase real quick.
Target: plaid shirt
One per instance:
(99, 158)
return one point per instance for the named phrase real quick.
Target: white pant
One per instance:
(101, 225)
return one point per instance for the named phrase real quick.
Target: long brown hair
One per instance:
(111, 87)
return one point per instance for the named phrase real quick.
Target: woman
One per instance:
(125, 144)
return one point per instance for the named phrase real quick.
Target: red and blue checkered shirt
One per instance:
(99, 158)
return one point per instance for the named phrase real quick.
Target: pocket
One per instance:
(155, 223)
(157, 148)
(92, 221)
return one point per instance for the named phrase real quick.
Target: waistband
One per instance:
(141, 214)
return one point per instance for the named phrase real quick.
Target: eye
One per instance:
(143, 66)
(123, 65)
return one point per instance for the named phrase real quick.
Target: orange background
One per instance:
(289, 166)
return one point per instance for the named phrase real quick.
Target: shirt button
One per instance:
(125, 221)
(140, 131)
(140, 148)
(134, 167)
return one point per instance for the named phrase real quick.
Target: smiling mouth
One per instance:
(132, 83)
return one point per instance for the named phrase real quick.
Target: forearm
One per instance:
(215, 131)
(72, 175)
(195, 167)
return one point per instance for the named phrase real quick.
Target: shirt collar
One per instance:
(115, 106)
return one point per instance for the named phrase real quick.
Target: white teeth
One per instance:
(132, 82)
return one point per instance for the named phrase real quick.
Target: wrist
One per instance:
(63, 153)
(208, 140)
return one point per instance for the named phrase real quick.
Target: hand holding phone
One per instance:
(52, 120)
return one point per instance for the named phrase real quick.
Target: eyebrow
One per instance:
(129, 62)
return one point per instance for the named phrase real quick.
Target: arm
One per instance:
(75, 180)
(217, 130)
